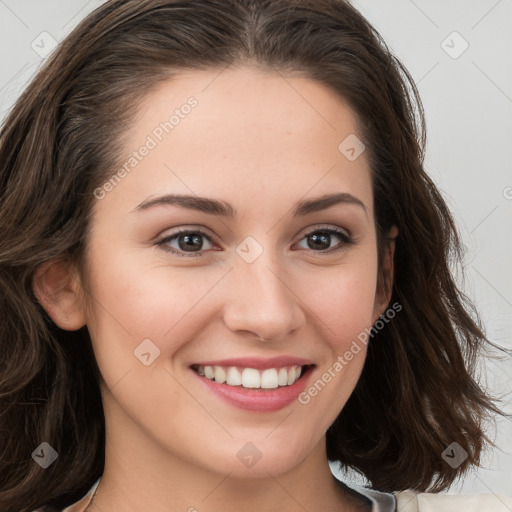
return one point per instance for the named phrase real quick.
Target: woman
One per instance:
(223, 266)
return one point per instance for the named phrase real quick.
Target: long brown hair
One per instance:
(417, 393)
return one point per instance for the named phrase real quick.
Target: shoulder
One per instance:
(409, 501)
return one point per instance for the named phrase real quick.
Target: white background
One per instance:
(468, 105)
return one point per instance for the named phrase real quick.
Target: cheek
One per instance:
(134, 299)
(343, 300)
(343, 303)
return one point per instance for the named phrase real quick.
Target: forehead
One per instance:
(231, 133)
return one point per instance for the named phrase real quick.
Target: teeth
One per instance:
(293, 374)
(220, 374)
(251, 378)
(234, 377)
(208, 372)
(282, 378)
(269, 379)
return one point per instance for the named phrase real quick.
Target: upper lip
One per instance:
(258, 363)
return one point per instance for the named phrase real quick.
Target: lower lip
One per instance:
(262, 400)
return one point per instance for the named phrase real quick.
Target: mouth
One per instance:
(252, 378)
(253, 384)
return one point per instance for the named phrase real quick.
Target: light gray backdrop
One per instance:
(459, 53)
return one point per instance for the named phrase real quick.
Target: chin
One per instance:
(260, 458)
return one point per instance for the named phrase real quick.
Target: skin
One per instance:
(254, 142)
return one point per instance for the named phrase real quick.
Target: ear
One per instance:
(385, 280)
(57, 288)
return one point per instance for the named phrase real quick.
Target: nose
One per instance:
(261, 302)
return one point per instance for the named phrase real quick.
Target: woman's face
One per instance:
(258, 285)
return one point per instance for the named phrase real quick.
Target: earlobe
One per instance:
(56, 287)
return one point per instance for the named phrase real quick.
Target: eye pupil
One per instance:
(188, 242)
(319, 241)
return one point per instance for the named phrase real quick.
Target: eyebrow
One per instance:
(221, 208)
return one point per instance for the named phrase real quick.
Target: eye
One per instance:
(320, 240)
(186, 241)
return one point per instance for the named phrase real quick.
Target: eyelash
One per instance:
(346, 240)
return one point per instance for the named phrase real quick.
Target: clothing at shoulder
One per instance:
(405, 501)
(408, 501)
(379, 501)
(78, 506)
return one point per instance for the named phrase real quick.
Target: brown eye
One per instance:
(186, 242)
(321, 240)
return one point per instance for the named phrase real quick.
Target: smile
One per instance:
(251, 378)
(255, 384)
